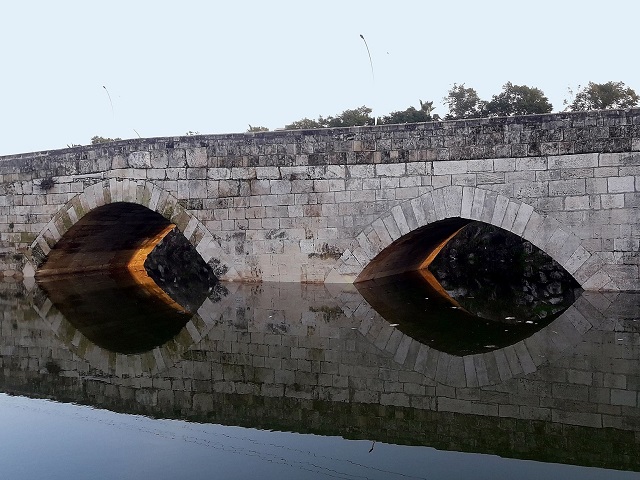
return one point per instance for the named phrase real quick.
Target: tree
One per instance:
(517, 100)
(351, 118)
(602, 96)
(348, 118)
(411, 115)
(463, 103)
(98, 140)
(305, 123)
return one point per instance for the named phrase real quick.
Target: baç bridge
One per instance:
(335, 205)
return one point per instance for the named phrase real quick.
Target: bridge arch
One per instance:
(404, 237)
(139, 198)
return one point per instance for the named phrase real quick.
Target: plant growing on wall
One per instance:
(47, 183)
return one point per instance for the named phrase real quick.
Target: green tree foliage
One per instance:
(305, 123)
(463, 103)
(517, 100)
(351, 118)
(98, 140)
(602, 96)
(348, 118)
(411, 115)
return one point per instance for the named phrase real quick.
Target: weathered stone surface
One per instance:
(333, 184)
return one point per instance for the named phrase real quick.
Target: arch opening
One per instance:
(466, 287)
(413, 251)
(108, 238)
(126, 277)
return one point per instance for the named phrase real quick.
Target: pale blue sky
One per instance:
(212, 67)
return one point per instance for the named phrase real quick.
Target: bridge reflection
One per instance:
(313, 358)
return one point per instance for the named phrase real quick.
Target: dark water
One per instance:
(308, 381)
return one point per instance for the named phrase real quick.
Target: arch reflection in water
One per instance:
(116, 310)
(489, 289)
(136, 308)
(423, 310)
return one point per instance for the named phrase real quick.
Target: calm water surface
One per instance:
(106, 379)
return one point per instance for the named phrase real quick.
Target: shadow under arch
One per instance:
(405, 237)
(133, 213)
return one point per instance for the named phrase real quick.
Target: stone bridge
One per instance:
(335, 205)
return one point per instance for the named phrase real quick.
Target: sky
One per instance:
(75, 69)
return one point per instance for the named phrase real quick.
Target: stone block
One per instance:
(467, 202)
(577, 418)
(531, 163)
(434, 204)
(530, 189)
(522, 219)
(486, 177)
(478, 203)
(403, 349)
(576, 260)
(619, 159)
(439, 181)
(504, 164)
(520, 176)
(480, 165)
(139, 160)
(581, 202)
(567, 187)
(418, 168)
(464, 179)
(510, 216)
(450, 167)
(409, 216)
(262, 173)
(624, 397)
(499, 210)
(467, 407)
(621, 184)
(390, 170)
(452, 197)
(573, 161)
(196, 157)
(609, 201)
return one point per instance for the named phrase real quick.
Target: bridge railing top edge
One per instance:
(593, 118)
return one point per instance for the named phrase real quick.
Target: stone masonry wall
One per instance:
(318, 205)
